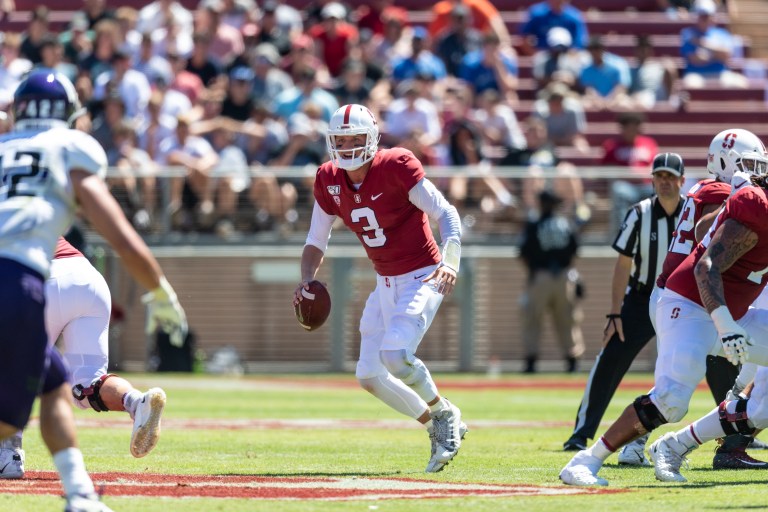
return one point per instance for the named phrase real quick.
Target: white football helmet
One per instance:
(736, 150)
(352, 120)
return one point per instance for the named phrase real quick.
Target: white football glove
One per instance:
(740, 180)
(164, 310)
(733, 336)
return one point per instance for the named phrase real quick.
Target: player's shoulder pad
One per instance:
(396, 154)
(749, 195)
(84, 152)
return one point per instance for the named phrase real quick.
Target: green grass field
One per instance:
(504, 446)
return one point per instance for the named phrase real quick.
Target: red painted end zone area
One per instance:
(280, 488)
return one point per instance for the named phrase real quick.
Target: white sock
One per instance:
(688, 439)
(13, 442)
(440, 405)
(708, 427)
(131, 400)
(71, 467)
(428, 425)
(600, 450)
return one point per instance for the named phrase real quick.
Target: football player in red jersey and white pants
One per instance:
(733, 158)
(704, 310)
(78, 307)
(384, 197)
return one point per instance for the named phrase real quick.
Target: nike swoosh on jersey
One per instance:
(419, 277)
(373, 198)
(6, 465)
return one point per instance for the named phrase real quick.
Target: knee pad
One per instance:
(92, 393)
(398, 362)
(671, 398)
(649, 414)
(735, 422)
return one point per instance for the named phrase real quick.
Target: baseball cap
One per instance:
(559, 36)
(707, 7)
(333, 10)
(670, 162)
(241, 73)
(420, 33)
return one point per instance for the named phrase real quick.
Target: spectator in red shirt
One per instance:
(629, 149)
(334, 35)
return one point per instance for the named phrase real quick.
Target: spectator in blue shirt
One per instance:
(606, 79)
(552, 13)
(492, 67)
(421, 61)
(706, 49)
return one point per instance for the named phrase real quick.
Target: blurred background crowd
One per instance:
(229, 91)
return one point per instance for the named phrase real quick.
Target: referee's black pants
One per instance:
(613, 362)
(616, 358)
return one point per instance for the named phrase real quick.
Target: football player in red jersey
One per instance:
(729, 163)
(693, 321)
(384, 198)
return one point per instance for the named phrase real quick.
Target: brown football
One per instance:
(313, 311)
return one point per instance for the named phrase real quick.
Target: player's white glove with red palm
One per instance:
(164, 310)
(733, 336)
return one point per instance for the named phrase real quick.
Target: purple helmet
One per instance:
(46, 95)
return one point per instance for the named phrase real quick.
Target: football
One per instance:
(313, 311)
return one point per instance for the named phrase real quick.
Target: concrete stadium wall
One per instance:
(241, 297)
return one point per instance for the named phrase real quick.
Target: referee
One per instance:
(642, 245)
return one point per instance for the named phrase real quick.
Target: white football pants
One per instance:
(78, 305)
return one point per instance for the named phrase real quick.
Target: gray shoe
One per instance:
(445, 435)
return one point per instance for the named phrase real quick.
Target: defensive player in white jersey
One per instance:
(78, 308)
(47, 172)
(384, 197)
(703, 310)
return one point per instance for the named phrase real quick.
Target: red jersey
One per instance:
(637, 155)
(65, 250)
(703, 193)
(746, 278)
(395, 233)
(335, 47)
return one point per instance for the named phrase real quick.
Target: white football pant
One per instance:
(78, 305)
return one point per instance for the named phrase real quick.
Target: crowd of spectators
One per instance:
(232, 89)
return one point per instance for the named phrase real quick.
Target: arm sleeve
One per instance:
(425, 196)
(320, 228)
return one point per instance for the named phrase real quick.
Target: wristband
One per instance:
(452, 255)
(722, 319)
(611, 316)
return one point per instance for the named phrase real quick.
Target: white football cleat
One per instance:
(146, 422)
(434, 465)
(667, 455)
(11, 463)
(446, 435)
(582, 470)
(85, 503)
(633, 454)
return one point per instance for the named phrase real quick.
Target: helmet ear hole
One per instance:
(722, 164)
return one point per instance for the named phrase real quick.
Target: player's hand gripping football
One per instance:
(733, 336)
(164, 311)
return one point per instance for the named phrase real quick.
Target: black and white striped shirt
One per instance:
(645, 236)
